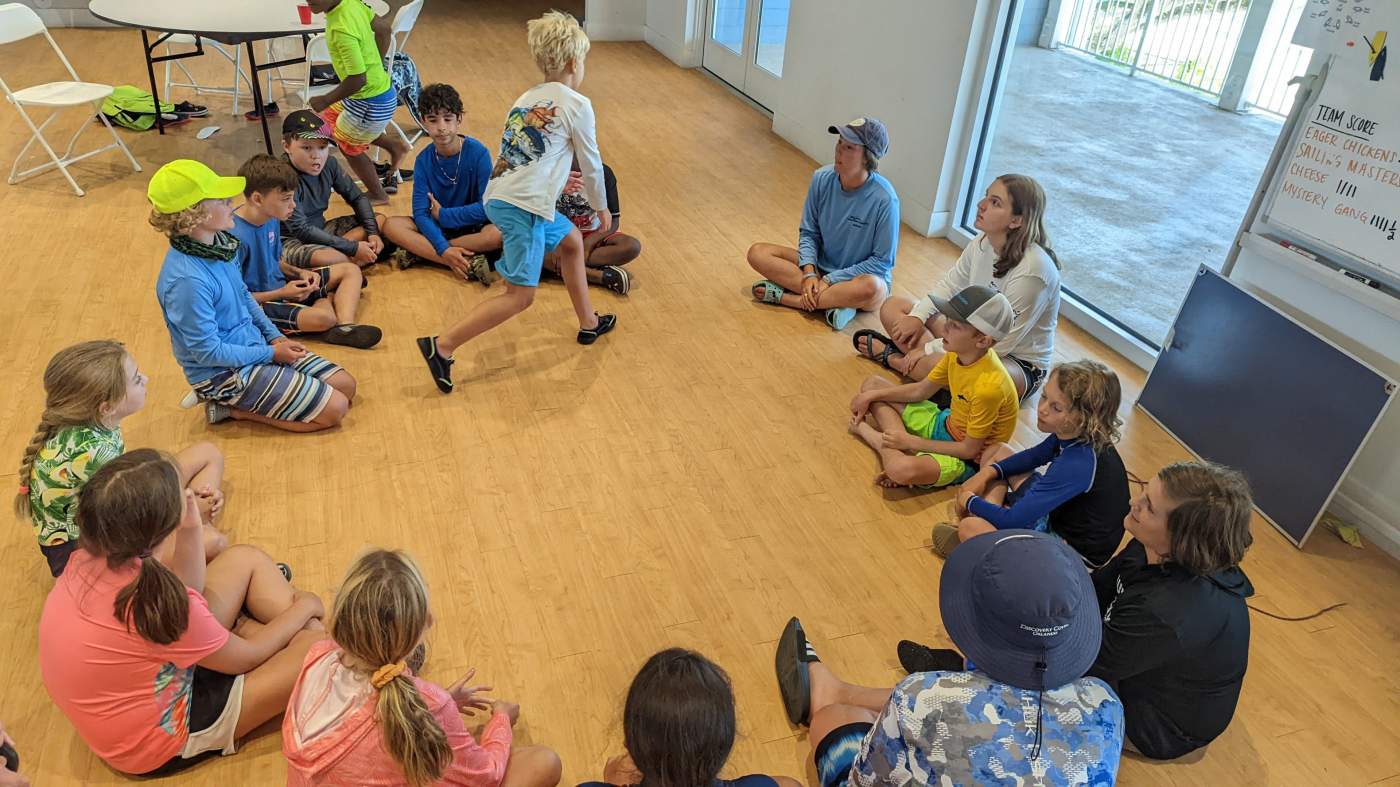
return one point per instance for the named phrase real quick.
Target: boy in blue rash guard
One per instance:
(846, 246)
(1082, 495)
(449, 225)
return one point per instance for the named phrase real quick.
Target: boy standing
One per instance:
(234, 358)
(550, 123)
(449, 224)
(322, 300)
(923, 445)
(308, 239)
(361, 106)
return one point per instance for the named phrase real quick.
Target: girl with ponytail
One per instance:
(88, 389)
(137, 651)
(360, 715)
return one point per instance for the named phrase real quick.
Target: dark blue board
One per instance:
(1243, 385)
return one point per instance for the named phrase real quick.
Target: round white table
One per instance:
(229, 21)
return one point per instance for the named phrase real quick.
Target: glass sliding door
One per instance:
(1145, 176)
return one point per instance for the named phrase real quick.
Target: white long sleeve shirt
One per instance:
(548, 125)
(1033, 287)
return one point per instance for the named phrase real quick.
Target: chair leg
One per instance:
(237, 76)
(116, 138)
(73, 143)
(39, 137)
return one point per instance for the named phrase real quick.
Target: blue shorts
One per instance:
(1042, 524)
(525, 239)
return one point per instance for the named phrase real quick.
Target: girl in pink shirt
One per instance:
(359, 716)
(149, 661)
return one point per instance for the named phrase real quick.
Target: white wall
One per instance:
(1366, 323)
(615, 20)
(670, 28)
(911, 63)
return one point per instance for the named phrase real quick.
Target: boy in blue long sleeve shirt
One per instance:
(1081, 496)
(236, 360)
(449, 225)
(848, 237)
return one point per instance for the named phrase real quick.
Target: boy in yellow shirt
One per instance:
(923, 445)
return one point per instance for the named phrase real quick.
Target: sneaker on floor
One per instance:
(270, 110)
(839, 318)
(390, 183)
(191, 110)
(286, 571)
(216, 413)
(479, 269)
(361, 337)
(914, 657)
(606, 322)
(438, 366)
(617, 279)
(403, 259)
(191, 399)
(945, 539)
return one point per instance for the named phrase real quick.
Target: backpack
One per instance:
(133, 108)
(403, 75)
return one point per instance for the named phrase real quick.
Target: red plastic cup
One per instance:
(305, 12)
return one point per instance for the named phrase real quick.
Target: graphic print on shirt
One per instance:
(172, 690)
(526, 136)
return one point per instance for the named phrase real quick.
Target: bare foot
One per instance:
(873, 437)
(825, 687)
(886, 482)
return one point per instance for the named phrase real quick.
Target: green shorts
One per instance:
(929, 421)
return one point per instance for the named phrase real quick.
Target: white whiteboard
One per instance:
(1340, 182)
(1334, 26)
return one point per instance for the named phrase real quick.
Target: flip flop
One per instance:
(882, 357)
(792, 662)
(772, 293)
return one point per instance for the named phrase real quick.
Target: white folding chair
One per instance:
(236, 58)
(402, 28)
(18, 22)
(318, 52)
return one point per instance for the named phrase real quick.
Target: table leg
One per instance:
(151, 72)
(257, 95)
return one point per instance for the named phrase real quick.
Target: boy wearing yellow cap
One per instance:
(238, 363)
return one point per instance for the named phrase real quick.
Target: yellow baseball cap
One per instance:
(184, 183)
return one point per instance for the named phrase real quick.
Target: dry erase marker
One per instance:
(1295, 248)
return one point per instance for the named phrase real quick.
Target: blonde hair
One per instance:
(1028, 202)
(1094, 394)
(77, 382)
(378, 618)
(556, 39)
(182, 223)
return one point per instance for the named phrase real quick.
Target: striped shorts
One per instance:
(357, 122)
(283, 393)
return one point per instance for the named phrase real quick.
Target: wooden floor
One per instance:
(688, 481)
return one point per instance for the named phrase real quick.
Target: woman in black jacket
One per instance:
(1175, 625)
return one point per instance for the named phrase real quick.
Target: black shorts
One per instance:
(456, 232)
(209, 696)
(283, 314)
(1035, 376)
(58, 555)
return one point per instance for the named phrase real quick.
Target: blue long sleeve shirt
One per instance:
(849, 233)
(214, 323)
(1070, 474)
(461, 201)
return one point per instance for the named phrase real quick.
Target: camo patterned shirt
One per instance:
(963, 728)
(61, 468)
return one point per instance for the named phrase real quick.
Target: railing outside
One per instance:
(1280, 61)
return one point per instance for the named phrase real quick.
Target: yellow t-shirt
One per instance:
(984, 398)
(350, 39)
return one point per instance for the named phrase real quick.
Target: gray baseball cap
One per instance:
(981, 307)
(866, 131)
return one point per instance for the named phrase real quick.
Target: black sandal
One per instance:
(792, 662)
(606, 322)
(883, 357)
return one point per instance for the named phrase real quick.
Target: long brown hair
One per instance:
(679, 721)
(378, 618)
(1209, 528)
(1028, 202)
(125, 510)
(77, 382)
(1094, 395)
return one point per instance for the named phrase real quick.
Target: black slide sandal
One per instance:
(882, 357)
(794, 655)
